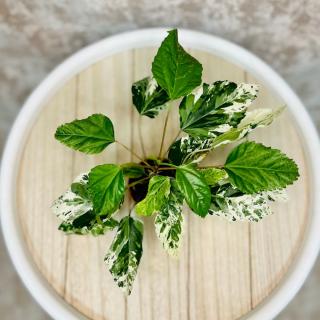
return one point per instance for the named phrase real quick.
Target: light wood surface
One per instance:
(224, 269)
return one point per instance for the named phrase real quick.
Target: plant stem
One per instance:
(145, 166)
(133, 153)
(168, 164)
(164, 133)
(99, 219)
(141, 138)
(137, 182)
(215, 167)
(195, 152)
(130, 209)
(163, 169)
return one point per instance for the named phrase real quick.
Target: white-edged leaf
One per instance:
(148, 97)
(233, 205)
(125, 252)
(71, 205)
(190, 149)
(258, 118)
(87, 224)
(216, 108)
(169, 222)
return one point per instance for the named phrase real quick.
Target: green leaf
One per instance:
(230, 203)
(252, 168)
(133, 170)
(158, 192)
(87, 224)
(215, 108)
(194, 189)
(90, 135)
(73, 203)
(213, 175)
(169, 221)
(174, 69)
(148, 97)
(194, 149)
(124, 255)
(106, 188)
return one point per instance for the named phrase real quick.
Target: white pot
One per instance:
(23, 263)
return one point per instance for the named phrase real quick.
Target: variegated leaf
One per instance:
(169, 222)
(231, 204)
(194, 149)
(125, 252)
(73, 204)
(87, 224)
(189, 150)
(215, 108)
(148, 97)
(254, 119)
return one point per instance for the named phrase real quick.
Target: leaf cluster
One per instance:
(211, 115)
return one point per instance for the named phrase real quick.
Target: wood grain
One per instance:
(224, 269)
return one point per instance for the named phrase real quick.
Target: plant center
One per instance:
(139, 190)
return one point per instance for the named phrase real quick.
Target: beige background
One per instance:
(35, 35)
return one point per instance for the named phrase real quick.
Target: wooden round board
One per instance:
(224, 269)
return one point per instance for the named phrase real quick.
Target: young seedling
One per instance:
(211, 116)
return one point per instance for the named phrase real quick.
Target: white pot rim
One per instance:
(44, 294)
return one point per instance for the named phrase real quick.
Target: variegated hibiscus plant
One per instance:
(211, 115)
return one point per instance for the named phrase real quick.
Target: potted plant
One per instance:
(211, 115)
